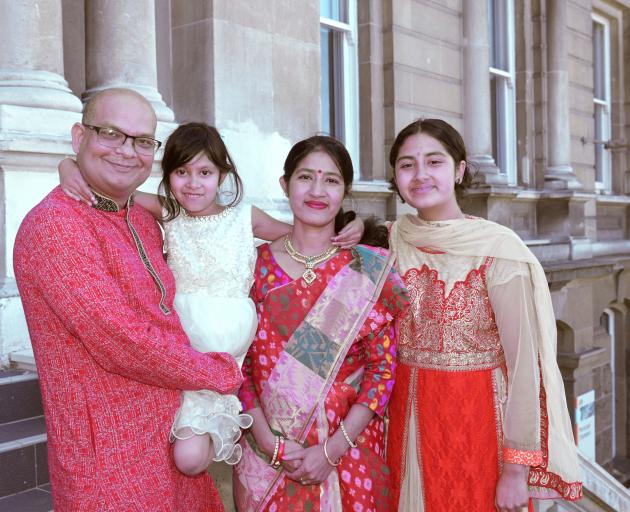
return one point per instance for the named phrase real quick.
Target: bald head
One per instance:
(93, 105)
(114, 170)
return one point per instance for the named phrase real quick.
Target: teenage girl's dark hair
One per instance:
(184, 144)
(448, 136)
(374, 234)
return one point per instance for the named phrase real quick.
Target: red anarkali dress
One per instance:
(469, 391)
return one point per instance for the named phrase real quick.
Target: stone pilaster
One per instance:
(31, 60)
(371, 91)
(477, 109)
(120, 50)
(559, 173)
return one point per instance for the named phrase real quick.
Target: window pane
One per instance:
(498, 34)
(334, 10)
(599, 80)
(328, 110)
(601, 134)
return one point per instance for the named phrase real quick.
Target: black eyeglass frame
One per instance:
(97, 129)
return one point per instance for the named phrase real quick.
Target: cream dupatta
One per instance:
(477, 237)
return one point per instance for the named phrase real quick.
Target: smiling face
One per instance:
(425, 177)
(195, 185)
(115, 172)
(315, 189)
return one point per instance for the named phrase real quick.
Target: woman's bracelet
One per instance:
(333, 464)
(280, 454)
(346, 436)
(276, 447)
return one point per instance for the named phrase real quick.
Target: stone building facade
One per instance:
(540, 90)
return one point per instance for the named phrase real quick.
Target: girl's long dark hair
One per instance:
(184, 144)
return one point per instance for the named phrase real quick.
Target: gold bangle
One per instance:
(345, 435)
(272, 462)
(333, 464)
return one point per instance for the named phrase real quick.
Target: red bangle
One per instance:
(280, 453)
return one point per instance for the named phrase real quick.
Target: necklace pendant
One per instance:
(309, 276)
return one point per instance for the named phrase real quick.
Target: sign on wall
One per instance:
(585, 424)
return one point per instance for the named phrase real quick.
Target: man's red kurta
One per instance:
(111, 364)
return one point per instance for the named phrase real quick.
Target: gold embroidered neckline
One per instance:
(106, 204)
(207, 218)
(309, 261)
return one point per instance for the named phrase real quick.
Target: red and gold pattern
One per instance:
(460, 249)
(454, 331)
(539, 476)
(524, 457)
(448, 347)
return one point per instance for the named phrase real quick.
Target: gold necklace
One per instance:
(309, 261)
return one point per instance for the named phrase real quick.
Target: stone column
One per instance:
(371, 90)
(558, 173)
(477, 109)
(31, 59)
(120, 50)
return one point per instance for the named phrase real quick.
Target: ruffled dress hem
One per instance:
(208, 412)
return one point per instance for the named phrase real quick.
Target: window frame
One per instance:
(346, 80)
(603, 176)
(506, 81)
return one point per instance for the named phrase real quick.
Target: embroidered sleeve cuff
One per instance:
(524, 457)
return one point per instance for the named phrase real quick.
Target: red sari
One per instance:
(364, 376)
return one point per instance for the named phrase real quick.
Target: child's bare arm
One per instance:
(267, 228)
(149, 202)
(72, 182)
(73, 185)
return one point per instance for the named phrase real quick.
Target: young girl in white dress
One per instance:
(211, 252)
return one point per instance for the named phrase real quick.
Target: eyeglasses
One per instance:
(113, 138)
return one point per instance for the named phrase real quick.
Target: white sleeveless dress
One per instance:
(213, 258)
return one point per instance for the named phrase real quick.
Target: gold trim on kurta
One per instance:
(145, 259)
(105, 204)
(450, 361)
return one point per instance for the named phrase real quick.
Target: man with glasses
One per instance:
(111, 354)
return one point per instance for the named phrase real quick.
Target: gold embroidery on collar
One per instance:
(145, 259)
(106, 204)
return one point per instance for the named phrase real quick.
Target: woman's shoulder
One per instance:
(379, 252)
(393, 294)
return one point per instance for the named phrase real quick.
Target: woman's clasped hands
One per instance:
(311, 466)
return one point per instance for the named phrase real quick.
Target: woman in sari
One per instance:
(320, 371)
(478, 417)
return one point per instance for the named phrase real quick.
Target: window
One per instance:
(601, 101)
(339, 73)
(502, 96)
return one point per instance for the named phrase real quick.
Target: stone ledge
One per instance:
(8, 288)
(582, 269)
(23, 359)
(603, 485)
(583, 361)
